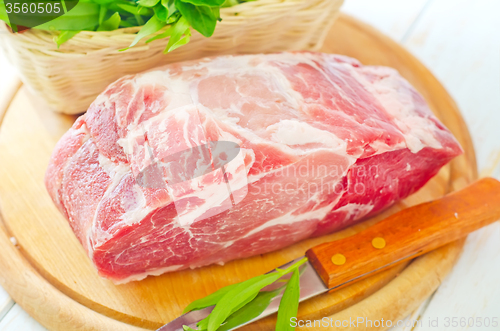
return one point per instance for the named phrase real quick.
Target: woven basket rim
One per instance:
(227, 14)
(70, 77)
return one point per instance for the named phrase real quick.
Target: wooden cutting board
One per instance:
(44, 268)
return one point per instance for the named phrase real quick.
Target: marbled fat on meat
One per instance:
(324, 142)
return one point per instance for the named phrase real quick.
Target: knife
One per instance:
(400, 237)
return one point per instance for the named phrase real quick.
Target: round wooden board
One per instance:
(50, 276)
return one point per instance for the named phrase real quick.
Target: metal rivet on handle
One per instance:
(378, 243)
(338, 259)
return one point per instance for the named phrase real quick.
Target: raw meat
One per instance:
(310, 142)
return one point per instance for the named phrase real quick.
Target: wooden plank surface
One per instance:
(459, 40)
(395, 18)
(18, 320)
(476, 93)
(6, 303)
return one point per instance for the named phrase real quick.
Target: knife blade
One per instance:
(400, 237)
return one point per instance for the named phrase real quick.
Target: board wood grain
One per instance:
(458, 40)
(61, 274)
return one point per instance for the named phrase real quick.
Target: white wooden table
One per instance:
(459, 42)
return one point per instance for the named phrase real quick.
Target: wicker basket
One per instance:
(70, 78)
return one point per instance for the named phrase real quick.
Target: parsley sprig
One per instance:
(239, 303)
(179, 16)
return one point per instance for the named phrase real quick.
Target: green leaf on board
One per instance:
(203, 324)
(187, 328)
(209, 300)
(289, 303)
(250, 311)
(239, 294)
(239, 303)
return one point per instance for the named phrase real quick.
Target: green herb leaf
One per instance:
(249, 311)
(203, 324)
(173, 14)
(65, 9)
(161, 13)
(102, 2)
(152, 26)
(169, 6)
(3, 13)
(230, 3)
(216, 12)
(163, 35)
(289, 303)
(239, 294)
(99, 15)
(103, 10)
(64, 36)
(209, 300)
(180, 35)
(238, 303)
(139, 20)
(129, 8)
(134, 10)
(84, 15)
(111, 23)
(201, 18)
(172, 46)
(126, 24)
(148, 3)
(187, 328)
(209, 3)
(293, 266)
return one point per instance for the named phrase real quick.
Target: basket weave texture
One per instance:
(69, 78)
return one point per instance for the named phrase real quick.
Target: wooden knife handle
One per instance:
(407, 234)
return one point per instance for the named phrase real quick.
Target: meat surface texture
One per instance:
(310, 142)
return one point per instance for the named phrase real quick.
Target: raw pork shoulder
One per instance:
(223, 158)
